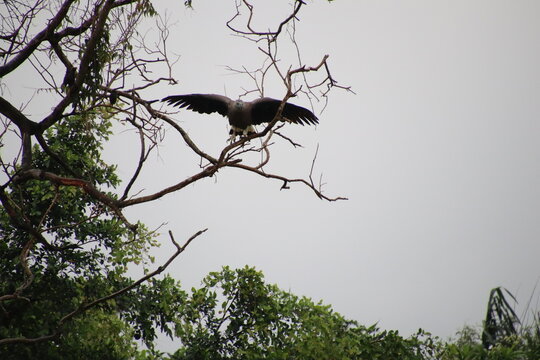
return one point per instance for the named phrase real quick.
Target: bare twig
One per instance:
(250, 31)
(84, 307)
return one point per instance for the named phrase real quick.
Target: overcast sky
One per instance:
(438, 153)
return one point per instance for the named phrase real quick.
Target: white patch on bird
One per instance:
(236, 131)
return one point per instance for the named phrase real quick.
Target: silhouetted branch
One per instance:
(249, 26)
(84, 307)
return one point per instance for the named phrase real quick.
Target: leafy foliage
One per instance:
(85, 256)
(500, 320)
(502, 337)
(235, 315)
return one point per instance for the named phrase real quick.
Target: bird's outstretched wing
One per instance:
(264, 110)
(202, 103)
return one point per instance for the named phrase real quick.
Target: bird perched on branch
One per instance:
(243, 115)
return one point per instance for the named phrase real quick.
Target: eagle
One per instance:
(243, 115)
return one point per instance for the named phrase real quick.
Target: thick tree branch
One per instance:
(207, 172)
(89, 53)
(32, 45)
(85, 185)
(64, 181)
(17, 117)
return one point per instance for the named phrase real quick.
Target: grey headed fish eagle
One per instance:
(243, 115)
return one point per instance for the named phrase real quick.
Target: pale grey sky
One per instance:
(438, 153)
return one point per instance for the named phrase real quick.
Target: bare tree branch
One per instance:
(97, 31)
(250, 31)
(31, 46)
(84, 307)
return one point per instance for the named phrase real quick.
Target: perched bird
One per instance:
(243, 115)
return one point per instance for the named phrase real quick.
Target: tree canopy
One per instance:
(236, 315)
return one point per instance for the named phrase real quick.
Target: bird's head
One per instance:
(238, 105)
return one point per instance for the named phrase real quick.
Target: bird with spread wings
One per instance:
(243, 115)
